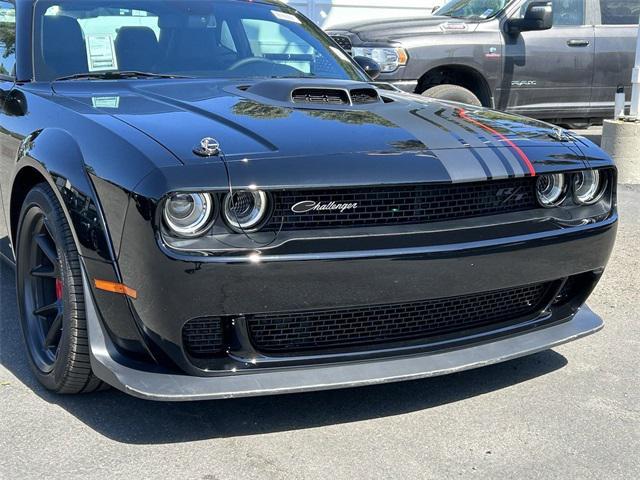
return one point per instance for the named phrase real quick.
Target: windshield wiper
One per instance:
(117, 75)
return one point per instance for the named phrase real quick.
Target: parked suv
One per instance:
(559, 61)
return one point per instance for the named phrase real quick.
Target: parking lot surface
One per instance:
(572, 412)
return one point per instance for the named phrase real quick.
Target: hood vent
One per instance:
(311, 93)
(364, 95)
(323, 96)
(334, 96)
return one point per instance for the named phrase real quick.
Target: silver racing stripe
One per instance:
(496, 145)
(480, 156)
(462, 165)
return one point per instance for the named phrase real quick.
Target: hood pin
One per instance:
(209, 147)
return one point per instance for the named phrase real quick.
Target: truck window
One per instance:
(620, 12)
(7, 39)
(565, 12)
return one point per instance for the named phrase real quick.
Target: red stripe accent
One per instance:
(519, 151)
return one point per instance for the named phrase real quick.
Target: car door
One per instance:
(8, 144)
(616, 31)
(548, 73)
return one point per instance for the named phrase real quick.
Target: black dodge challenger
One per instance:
(209, 199)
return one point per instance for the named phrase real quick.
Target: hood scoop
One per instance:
(323, 96)
(312, 94)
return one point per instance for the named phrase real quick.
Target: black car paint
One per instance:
(567, 72)
(111, 168)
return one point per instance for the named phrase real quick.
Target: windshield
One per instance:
(212, 38)
(472, 9)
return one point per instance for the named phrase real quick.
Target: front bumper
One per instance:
(235, 285)
(163, 386)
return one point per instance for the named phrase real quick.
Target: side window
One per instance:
(7, 38)
(568, 12)
(620, 12)
(565, 12)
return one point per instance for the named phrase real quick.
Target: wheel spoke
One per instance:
(47, 309)
(47, 247)
(45, 271)
(54, 330)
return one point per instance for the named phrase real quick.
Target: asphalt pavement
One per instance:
(572, 412)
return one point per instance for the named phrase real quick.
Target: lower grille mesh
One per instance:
(202, 337)
(303, 331)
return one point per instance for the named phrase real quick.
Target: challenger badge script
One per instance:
(310, 205)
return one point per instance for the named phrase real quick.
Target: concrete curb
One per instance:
(622, 141)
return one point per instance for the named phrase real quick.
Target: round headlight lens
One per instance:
(189, 214)
(588, 187)
(551, 189)
(244, 210)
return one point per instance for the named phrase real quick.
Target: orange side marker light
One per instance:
(115, 288)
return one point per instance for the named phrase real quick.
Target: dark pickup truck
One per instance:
(557, 60)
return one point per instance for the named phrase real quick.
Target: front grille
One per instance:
(344, 42)
(321, 96)
(339, 328)
(202, 337)
(401, 204)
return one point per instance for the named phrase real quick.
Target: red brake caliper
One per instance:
(59, 288)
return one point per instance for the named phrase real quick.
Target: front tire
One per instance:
(452, 93)
(50, 296)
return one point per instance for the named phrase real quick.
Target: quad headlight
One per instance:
(389, 58)
(245, 210)
(588, 187)
(189, 214)
(551, 189)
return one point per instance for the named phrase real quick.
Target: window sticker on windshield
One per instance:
(101, 53)
(487, 13)
(287, 17)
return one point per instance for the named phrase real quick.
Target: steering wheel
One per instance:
(249, 60)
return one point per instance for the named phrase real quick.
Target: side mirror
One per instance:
(538, 16)
(14, 103)
(370, 66)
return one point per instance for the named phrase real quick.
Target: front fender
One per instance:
(55, 155)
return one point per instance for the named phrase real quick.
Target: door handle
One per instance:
(578, 43)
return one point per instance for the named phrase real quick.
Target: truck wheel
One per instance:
(453, 93)
(50, 296)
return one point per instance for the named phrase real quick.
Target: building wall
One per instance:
(328, 13)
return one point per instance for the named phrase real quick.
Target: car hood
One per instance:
(406, 138)
(381, 30)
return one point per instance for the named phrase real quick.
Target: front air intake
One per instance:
(322, 96)
(203, 337)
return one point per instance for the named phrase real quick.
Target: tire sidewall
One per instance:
(38, 199)
(452, 93)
